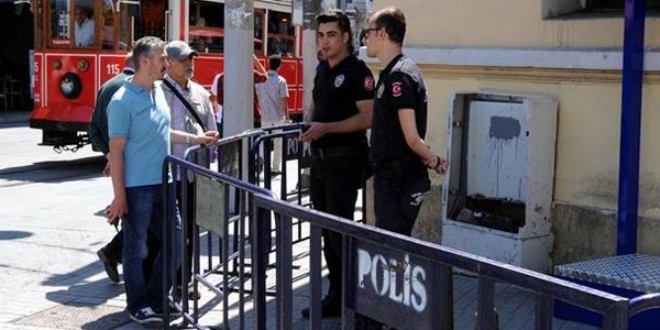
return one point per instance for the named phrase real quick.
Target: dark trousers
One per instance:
(334, 186)
(189, 217)
(113, 250)
(399, 190)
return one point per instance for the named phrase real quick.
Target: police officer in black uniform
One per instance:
(400, 156)
(341, 114)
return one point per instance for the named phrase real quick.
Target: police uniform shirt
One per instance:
(400, 86)
(336, 90)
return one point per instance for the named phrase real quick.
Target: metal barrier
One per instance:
(222, 212)
(292, 150)
(406, 283)
(399, 281)
(220, 220)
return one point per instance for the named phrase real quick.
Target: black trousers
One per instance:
(114, 249)
(188, 216)
(399, 190)
(334, 186)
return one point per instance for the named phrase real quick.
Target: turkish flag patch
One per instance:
(396, 89)
(369, 83)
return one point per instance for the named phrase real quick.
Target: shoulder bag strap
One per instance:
(185, 103)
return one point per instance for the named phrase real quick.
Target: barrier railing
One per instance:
(396, 280)
(219, 223)
(220, 210)
(405, 283)
(291, 150)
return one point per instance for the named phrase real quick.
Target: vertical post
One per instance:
(631, 114)
(311, 8)
(446, 292)
(259, 262)
(238, 67)
(239, 82)
(486, 318)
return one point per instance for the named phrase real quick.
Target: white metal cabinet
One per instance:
(497, 195)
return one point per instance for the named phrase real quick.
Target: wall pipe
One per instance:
(631, 114)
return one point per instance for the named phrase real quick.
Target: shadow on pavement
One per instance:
(95, 293)
(55, 171)
(6, 235)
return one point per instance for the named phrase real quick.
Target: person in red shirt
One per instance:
(259, 75)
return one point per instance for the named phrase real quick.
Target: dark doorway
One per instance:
(17, 39)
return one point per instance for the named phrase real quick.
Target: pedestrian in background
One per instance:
(217, 90)
(273, 96)
(341, 113)
(110, 254)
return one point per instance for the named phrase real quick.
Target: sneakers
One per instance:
(146, 316)
(172, 310)
(109, 264)
(178, 293)
(330, 307)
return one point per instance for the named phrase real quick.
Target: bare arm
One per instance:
(188, 138)
(358, 122)
(285, 106)
(258, 66)
(415, 142)
(119, 206)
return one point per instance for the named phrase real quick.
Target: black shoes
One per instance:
(109, 264)
(330, 307)
(178, 293)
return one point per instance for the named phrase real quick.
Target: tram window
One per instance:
(206, 34)
(59, 23)
(84, 24)
(281, 34)
(108, 24)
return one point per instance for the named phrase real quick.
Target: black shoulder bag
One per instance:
(185, 103)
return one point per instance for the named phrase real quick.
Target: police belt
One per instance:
(334, 152)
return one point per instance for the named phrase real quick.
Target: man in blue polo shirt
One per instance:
(139, 131)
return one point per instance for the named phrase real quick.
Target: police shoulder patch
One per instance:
(369, 83)
(396, 89)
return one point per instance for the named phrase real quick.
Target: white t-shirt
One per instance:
(214, 92)
(84, 34)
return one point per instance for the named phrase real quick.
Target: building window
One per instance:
(562, 8)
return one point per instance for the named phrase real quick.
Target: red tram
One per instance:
(79, 44)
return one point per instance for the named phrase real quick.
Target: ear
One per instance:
(345, 36)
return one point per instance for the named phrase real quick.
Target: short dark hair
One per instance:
(274, 62)
(393, 21)
(336, 15)
(145, 46)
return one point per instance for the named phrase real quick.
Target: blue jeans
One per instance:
(145, 218)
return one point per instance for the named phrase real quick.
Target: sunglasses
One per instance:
(365, 32)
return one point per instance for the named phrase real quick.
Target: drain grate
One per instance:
(81, 316)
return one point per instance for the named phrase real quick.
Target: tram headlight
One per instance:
(71, 86)
(83, 65)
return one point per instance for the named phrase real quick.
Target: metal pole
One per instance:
(311, 8)
(238, 67)
(631, 113)
(239, 82)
